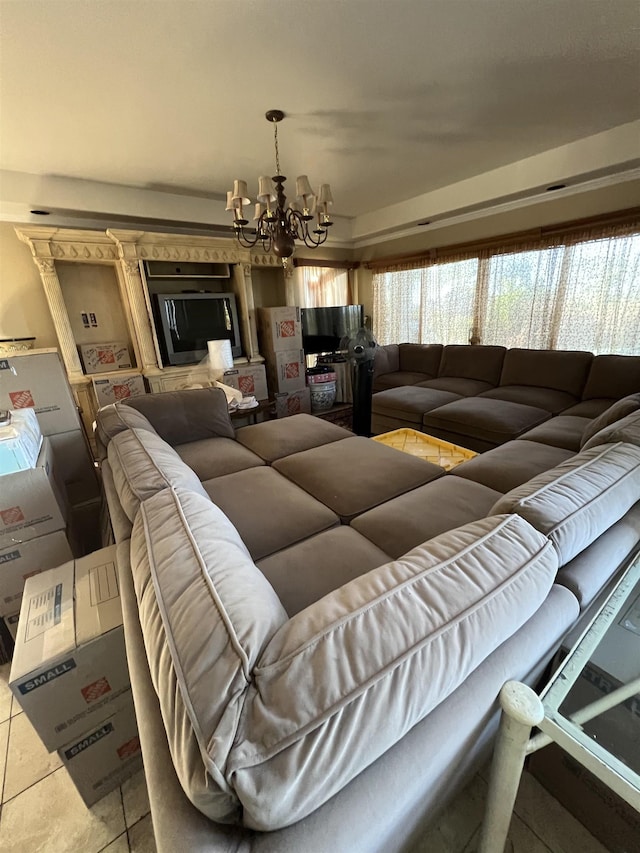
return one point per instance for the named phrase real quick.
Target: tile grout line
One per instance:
(6, 758)
(124, 816)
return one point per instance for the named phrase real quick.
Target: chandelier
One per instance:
(278, 226)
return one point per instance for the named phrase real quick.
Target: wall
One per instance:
(554, 211)
(23, 306)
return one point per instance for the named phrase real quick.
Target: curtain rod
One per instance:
(313, 262)
(630, 215)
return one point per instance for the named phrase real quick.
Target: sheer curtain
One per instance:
(319, 287)
(581, 292)
(426, 304)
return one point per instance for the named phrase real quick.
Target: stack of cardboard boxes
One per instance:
(280, 338)
(50, 510)
(118, 378)
(70, 674)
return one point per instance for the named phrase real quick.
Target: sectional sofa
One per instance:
(483, 396)
(318, 626)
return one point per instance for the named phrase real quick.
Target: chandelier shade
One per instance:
(279, 225)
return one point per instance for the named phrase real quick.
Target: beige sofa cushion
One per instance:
(116, 418)
(207, 614)
(349, 676)
(620, 409)
(626, 429)
(579, 499)
(189, 415)
(143, 464)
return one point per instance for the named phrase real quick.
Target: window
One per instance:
(578, 294)
(320, 287)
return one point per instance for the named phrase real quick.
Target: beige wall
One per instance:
(23, 307)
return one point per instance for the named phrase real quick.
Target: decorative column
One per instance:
(244, 292)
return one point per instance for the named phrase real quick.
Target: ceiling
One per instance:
(387, 100)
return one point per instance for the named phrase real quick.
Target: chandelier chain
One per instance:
(275, 141)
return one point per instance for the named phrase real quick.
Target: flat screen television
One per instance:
(324, 328)
(186, 321)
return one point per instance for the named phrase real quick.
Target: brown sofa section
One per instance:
(548, 379)
(481, 424)
(610, 378)
(468, 370)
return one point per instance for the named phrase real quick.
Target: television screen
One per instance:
(186, 321)
(324, 328)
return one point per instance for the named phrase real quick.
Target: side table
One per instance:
(522, 710)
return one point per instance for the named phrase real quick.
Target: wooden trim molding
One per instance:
(319, 262)
(629, 217)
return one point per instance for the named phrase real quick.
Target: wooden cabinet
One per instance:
(104, 274)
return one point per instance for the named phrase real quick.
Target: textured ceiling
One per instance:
(386, 99)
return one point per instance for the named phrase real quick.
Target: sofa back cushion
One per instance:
(347, 677)
(626, 429)
(143, 464)
(612, 376)
(420, 358)
(619, 409)
(579, 499)
(191, 415)
(386, 359)
(483, 363)
(561, 370)
(206, 613)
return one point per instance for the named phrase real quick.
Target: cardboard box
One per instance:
(24, 559)
(20, 441)
(74, 466)
(251, 381)
(615, 823)
(104, 756)
(69, 668)
(31, 502)
(286, 371)
(293, 403)
(103, 358)
(113, 388)
(37, 379)
(11, 623)
(279, 329)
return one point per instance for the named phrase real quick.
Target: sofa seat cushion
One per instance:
(407, 521)
(511, 464)
(589, 408)
(626, 429)
(356, 474)
(459, 385)
(493, 421)
(272, 440)
(398, 378)
(529, 395)
(269, 512)
(578, 500)
(410, 403)
(619, 409)
(206, 614)
(590, 571)
(384, 644)
(214, 457)
(563, 431)
(306, 571)
(143, 464)
(191, 415)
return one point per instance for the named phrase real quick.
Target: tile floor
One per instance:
(41, 812)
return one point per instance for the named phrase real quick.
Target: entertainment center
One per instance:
(118, 276)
